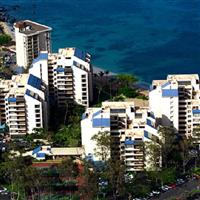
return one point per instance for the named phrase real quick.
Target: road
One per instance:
(179, 191)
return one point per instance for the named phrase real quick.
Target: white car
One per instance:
(151, 194)
(156, 192)
(3, 189)
(165, 188)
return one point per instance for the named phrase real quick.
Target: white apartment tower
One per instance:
(129, 124)
(15, 106)
(24, 99)
(36, 94)
(31, 38)
(70, 77)
(176, 102)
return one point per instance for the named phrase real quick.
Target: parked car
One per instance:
(151, 194)
(172, 185)
(156, 192)
(3, 189)
(180, 181)
(164, 188)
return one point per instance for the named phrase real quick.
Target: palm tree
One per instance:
(126, 80)
(101, 74)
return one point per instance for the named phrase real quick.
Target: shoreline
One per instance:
(97, 70)
(7, 29)
(140, 84)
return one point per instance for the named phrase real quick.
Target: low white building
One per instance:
(130, 125)
(55, 153)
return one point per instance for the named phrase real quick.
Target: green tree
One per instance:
(153, 155)
(125, 80)
(115, 174)
(4, 39)
(68, 169)
(21, 176)
(103, 142)
(88, 182)
(175, 149)
(69, 135)
(168, 146)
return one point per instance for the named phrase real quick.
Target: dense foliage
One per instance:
(4, 39)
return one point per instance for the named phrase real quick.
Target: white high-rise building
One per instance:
(175, 102)
(31, 38)
(24, 99)
(129, 124)
(15, 106)
(70, 77)
(36, 94)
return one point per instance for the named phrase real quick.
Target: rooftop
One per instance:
(71, 151)
(182, 76)
(125, 104)
(72, 51)
(19, 82)
(159, 82)
(28, 27)
(5, 84)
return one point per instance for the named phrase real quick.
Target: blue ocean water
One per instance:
(149, 38)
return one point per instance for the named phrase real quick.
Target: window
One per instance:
(138, 115)
(83, 76)
(117, 111)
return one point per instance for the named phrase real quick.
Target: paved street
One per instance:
(179, 191)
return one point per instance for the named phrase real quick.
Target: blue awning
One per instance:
(169, 93)
(40, 155)
(129, 142)
(60, 69)
(101, 122)
(196, 111)
(12, 99)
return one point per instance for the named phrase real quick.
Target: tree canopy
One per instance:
(4, 39)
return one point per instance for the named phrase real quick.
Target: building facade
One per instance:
(31, 38)
(129, 125)
(70, 77)
(176, 102)
(24, 99)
